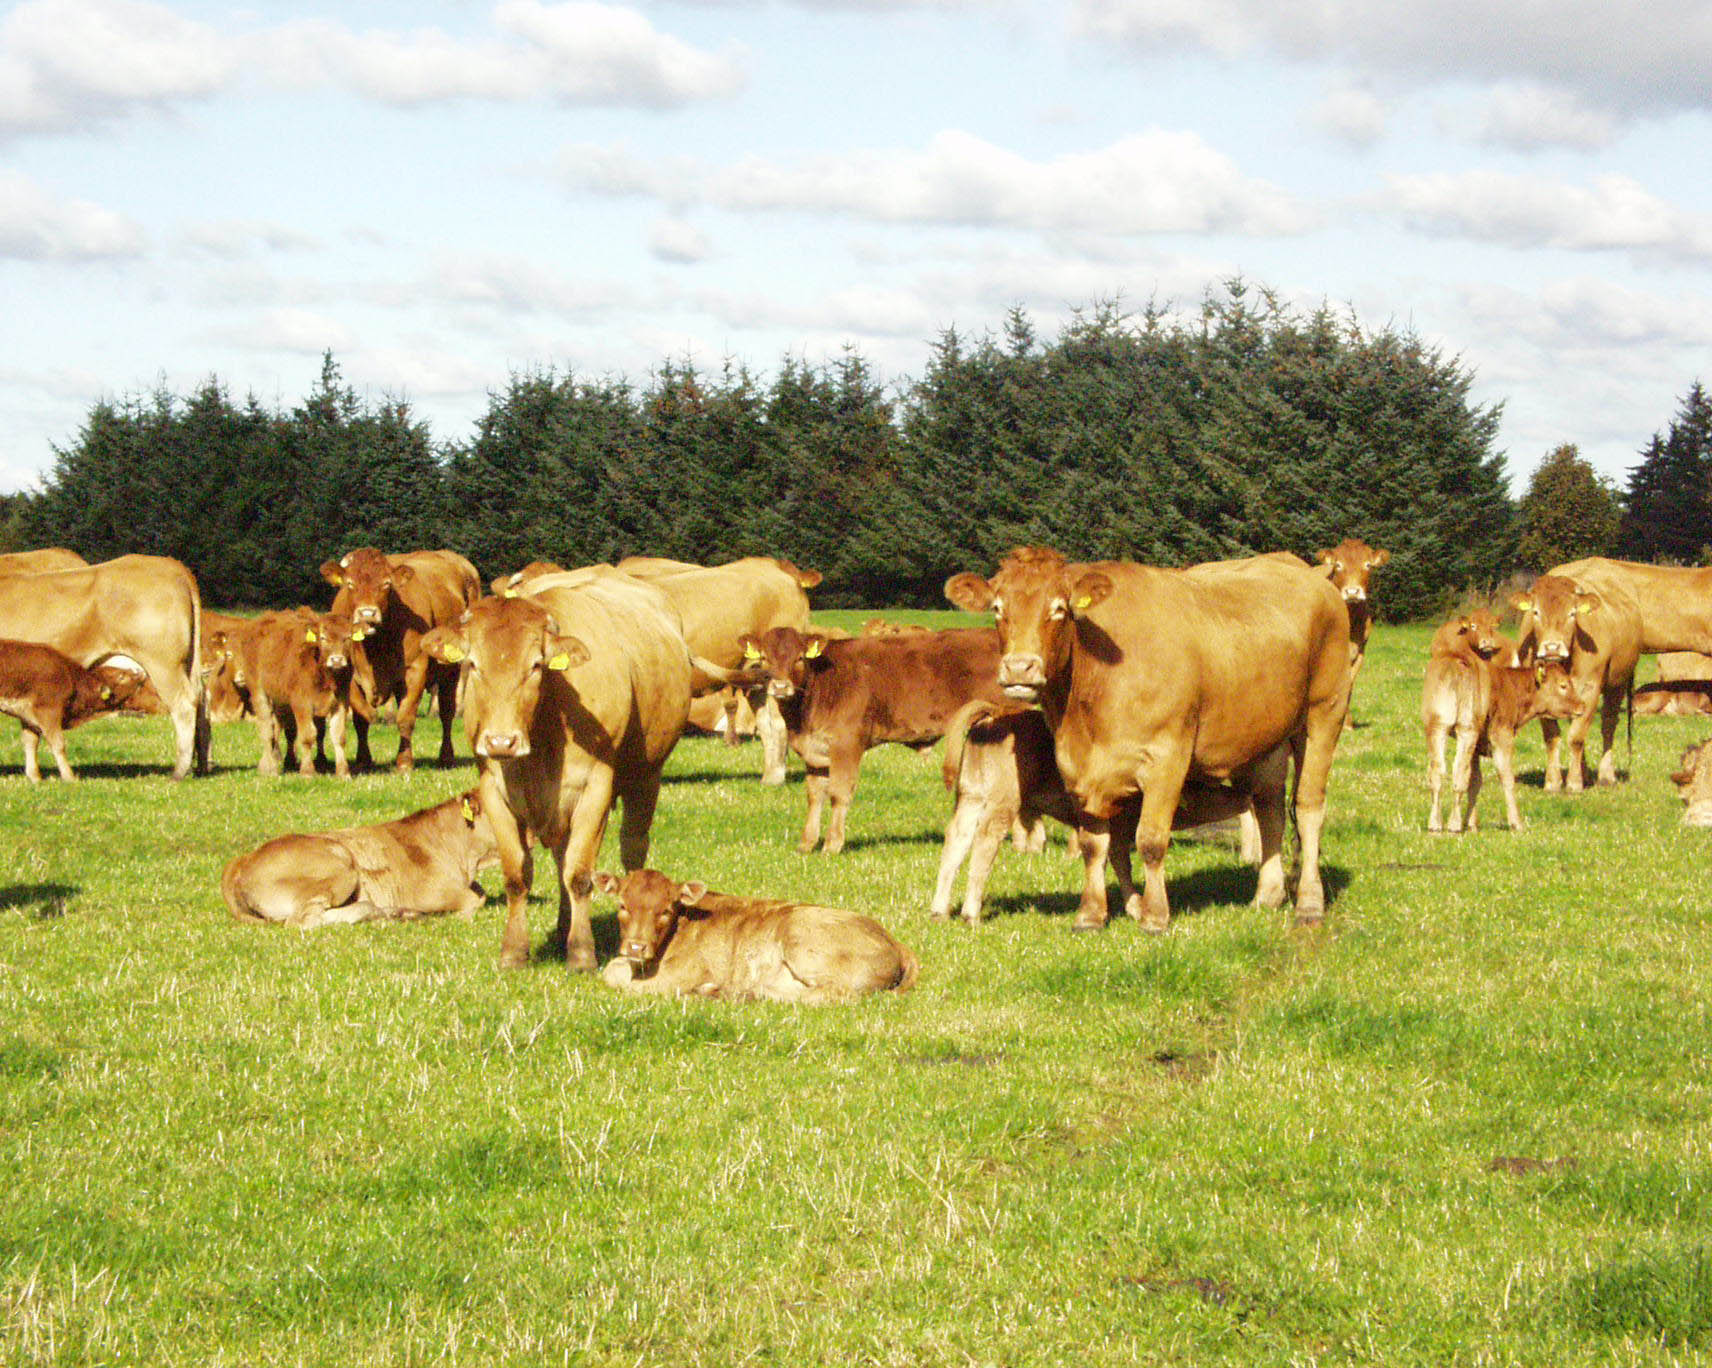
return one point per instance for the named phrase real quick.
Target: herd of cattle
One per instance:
(1122, 700)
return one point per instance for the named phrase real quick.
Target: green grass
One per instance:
(1237, 1143)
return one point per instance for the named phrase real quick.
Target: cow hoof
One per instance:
(939, 914)
(1080, 925)
(513, 959)
(581, 962)
(405, 764)
(1310, 919)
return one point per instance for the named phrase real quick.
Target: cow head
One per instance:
(511, 649)
(333, 638)
(783, 659)
(114, 686)
(1035, 599)
(1551, 616)
(1479, 631)
(1693, 780)
(472, 818)
(368, 579)
(649, 905)
(1555, 692)
(1350, 565)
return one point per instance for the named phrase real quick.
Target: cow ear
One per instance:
(814, 644)
(606, 883)
(752, 653)
(401, 574)
(1090, 589)
(1522, 603)
(445, 646)
(333, 573)
(565, 653)
(691, 893)
(1586, 601)
(1324, 557)
(1377, 559)
(969, 592)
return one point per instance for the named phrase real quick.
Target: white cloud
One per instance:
(1350, 114)
(1613, 213)
(1153, 182)
(1526, 117)
(235, 238)
(1628, 55)
(512, 285)
(675, 240)
(36, 225)
(1588, 314)
(576, 53)
(70, 64)
(291, 330)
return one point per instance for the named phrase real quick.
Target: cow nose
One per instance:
(336, 662)
(1354, 593)
(503, 745)
(781, 688)
(368, 613)
(1022, 669)
(1554, 650)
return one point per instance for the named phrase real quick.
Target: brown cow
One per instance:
(228, 695)
(399, 599)
(1485, 704)
(1597, 634)
(1001, 769)
(1150, 679)
(839, 699)
(293, 669)
(146, 608)
(682, 939)
(35, 562)
(573, 696)
(423, 865)
(1693, 780)
(1350, 566)
(719, 605)
(49, 694)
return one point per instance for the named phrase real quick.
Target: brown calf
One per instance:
(291, 669)
(1485, 705)
(49, 693)
(681, 939)
(423, 865)
(839, 699)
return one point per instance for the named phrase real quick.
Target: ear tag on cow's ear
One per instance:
(1539, 675)
(749, 651)
(453, 654)
(309, 636)
(1083, 602)
(106, 694)
(1524, 605)
(812, 650)
(559, 660)
(468, 811)
(510, 592)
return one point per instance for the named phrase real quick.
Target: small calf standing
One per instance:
(1485, 705)
(50, 693)
(423, 865)
(681, 939)
(1693, 780)
(1002, 769)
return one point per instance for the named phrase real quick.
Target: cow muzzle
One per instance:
(1354, 593)
(1022, 677)
(337, 661)
(502, 745)
(367, 613)
(1553, 650)
(781, 688)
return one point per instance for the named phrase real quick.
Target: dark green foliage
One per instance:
(1669, 513)
(1249, 428)
(1568, 512)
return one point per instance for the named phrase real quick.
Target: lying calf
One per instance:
(1003, 772)
(679, 939)
(50, 693)
(1693, 779)
(1673, 698)
(423, 865)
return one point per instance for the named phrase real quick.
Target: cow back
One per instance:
(36, 562)
(144, 607)
(718, 604)
(1672, 605)
(901, 688)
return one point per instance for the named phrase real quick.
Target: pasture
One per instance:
(1464, 1122)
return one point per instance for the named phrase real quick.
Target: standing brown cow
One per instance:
(35, 562)
(573, 697)
(719, 605)
(292, 669)
(49, 694)
(1598, 636)
(397, 600)
(1151, 679)
(146, 608)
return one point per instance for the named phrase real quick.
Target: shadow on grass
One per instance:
(1189, 895)
(552, 949)
(45, 901)
(709, 777)
(928, 837)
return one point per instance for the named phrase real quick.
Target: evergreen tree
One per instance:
(1569, 511)
(1669, 504)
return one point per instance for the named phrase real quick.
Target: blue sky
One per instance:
(443, 193)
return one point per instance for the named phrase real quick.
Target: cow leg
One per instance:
(188, 708)
(335, 732)
(303, 722)
(415, 681)
(989, 836)
(204, 735)
(1125, 819)
(1313, 767)
(770, 725)
(1461, 766)
(577, 850)
(32, 770)
(1579, 726)
(56, 746)
(814, 788)
(728, 703)
(845, 764)
(1436, 731)
(1160, 793)
(1093, 839)
(1608, 716)
(1474, 782)
(959, 838)
(267, 734)
(637, 820)
(447, 693)
(512, 839)
(1504, 761)
(1268, 809)
(365, 757)
(1553, 735)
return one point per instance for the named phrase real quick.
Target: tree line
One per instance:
(1249, 427)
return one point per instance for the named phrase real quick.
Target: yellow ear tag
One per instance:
(812, 651)
(453, 654)
(750, 653)
(510, 591)
(106, 694)
(468, 811)
(1539, 675)
(1084, 601)
(309, 636)
(1524, 605)
(559, 661)
(337, 580)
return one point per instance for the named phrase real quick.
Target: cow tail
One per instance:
(911, 970)
(1629, 708)
(966, 719)
(202, 732)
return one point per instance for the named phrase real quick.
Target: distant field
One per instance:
(1465, 1122)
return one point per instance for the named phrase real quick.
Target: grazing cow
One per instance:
(49, 694)
(1693, 780)
(1001, 769)
(573, 696)
(398, 600)
(1597, 634)
(293, 669)
(840, 699)
(146, 608)
(1151, 679)
(1485, 704)
(682, 939)
(423, 865)
(722, 603)
(35, 562)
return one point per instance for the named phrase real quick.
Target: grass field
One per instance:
(1464, 1122)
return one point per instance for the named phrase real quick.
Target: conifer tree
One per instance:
(1569, 511)
(1669, 503)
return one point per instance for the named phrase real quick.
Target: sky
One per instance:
(448, 192)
